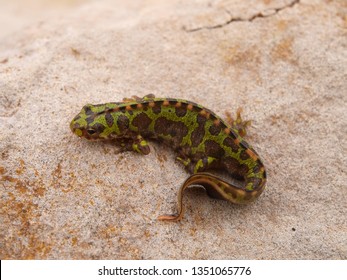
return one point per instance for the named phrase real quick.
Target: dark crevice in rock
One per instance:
(261, 14)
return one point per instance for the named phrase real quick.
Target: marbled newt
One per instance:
(202, 140)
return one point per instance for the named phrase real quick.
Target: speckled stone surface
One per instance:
(283, 62)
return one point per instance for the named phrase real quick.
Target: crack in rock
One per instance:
(262, 14)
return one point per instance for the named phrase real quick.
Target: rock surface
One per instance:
(284, 62)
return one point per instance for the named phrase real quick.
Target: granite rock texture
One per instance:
(283, 61)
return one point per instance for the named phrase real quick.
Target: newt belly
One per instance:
(202, 140)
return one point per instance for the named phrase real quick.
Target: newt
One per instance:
(202, 140)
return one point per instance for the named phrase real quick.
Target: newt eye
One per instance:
(91, 131)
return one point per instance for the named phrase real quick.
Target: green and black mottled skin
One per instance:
(202, 140)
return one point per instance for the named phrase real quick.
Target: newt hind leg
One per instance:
(193, 165)
(139, 99)
(238, 124)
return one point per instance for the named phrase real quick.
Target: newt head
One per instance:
(88, 123)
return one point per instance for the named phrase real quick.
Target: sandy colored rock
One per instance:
(283, 62)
